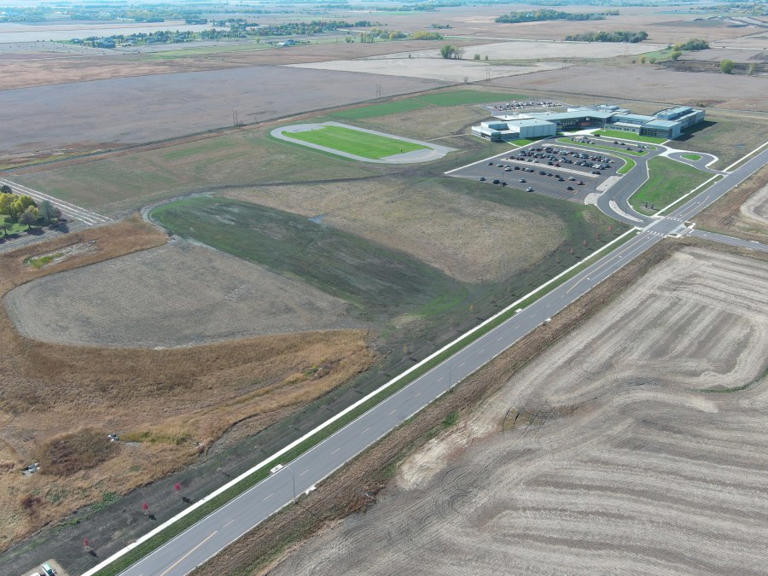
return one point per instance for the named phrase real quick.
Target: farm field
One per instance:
(742, 212)
(433, 68)
(644, 82)
(73, 117)
(159, 398)
(593, 456)
(667, 181)
(356, 142)
(126, 302)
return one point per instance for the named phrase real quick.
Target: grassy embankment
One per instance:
(439, 99)
(630, 136)
(667, 181)
(355, 142)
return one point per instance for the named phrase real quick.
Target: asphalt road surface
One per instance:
(212, 534)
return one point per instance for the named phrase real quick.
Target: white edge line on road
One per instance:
(668, 206)
(745, 157)
(120, 553)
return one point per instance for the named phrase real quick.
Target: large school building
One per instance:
(669, 123)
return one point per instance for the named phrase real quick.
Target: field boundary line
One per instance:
(320, 428)
(745, 157)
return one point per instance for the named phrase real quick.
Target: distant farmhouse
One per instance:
(669, 123)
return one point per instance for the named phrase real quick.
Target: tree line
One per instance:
(618, 36)
(549, 14)
(22, 209)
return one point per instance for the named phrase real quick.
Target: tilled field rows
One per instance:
(608, 455)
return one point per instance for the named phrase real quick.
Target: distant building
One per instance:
(515, 128)
(669, 123)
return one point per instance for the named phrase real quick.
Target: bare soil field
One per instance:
(433, 68)
(756, 208)
(632, 446)
(172, 403)
(92, 115)
(175, 295)
(537, 50)
(39, 69)
(646, 82)
(478, 21)
(469, 239)
(742, 212)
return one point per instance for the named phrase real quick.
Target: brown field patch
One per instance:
(649, 83)
(470, 239)
(647, 418)
(74, 116)
(175, 402)
(741, 212)
(179, 294)
(69, 453)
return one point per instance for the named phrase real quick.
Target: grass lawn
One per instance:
(628, 165)
(10, 227)
(630, 136)
(668, 180)
(441, 99)
(691, 156)
(355, 142)
(570, 142)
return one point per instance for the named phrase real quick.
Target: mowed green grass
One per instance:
(630, 136)
(667, 181)
(356, 142)
(376, 279)
(692, 157)
(440, 99)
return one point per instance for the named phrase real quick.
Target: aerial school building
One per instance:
(669, 123)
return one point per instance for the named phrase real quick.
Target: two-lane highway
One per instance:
(212, 534)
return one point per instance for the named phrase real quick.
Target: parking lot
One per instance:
(547, 168)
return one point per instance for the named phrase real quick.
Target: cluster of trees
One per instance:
(692, 44)
(618, 36)
(306, 28)
(549, 14)
(371, 36)
(451, 52)
(22, 209)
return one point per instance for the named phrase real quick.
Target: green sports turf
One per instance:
(356, 142)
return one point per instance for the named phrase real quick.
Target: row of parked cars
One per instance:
(557, 157)
(525, 169)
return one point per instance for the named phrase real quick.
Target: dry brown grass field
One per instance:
(469, 239)
(173, 402)
(632, 445)
(742, 212)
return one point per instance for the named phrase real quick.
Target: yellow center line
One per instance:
(180, 560)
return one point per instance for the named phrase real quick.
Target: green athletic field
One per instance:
(356, 142)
